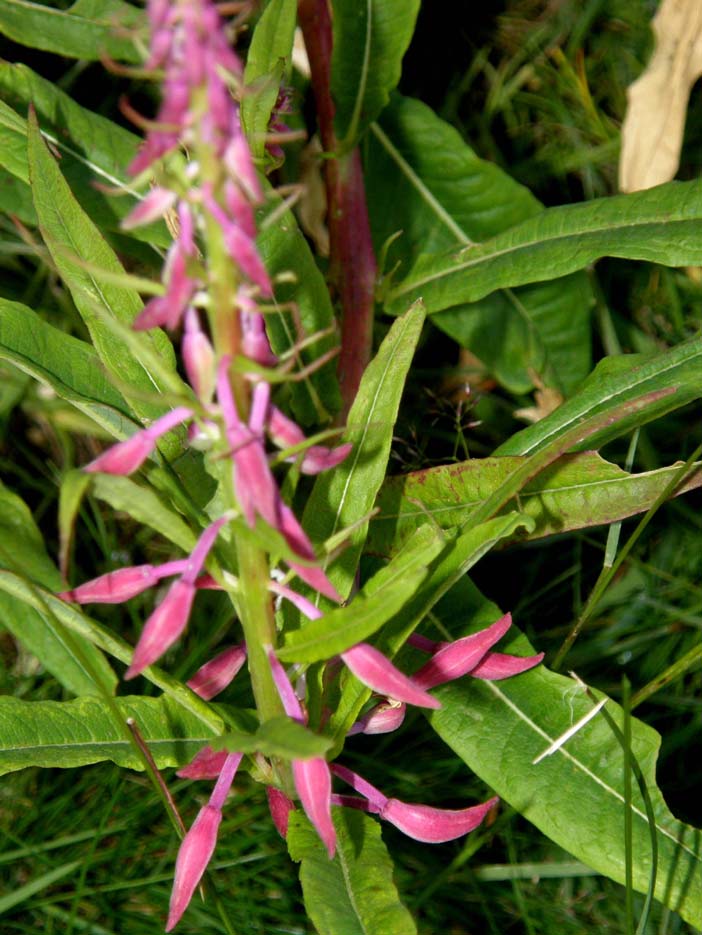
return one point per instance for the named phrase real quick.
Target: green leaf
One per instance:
(424, 181)
(576, 795)
(614, 382)
(22, 551)
(267, 64)
(660, 225)
(379, 600)
(145, 506)
(284, 250)
(575, 492)
(70, 367)
(71, 238)
(370, 38)
(73, 486)
(345, 495)
(280, 736)
(87, 30)
(16, 198)
(354, 894)
(94, 150)
(76, 733)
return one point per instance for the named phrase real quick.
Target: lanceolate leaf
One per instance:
(424, 181)
(575, 492)
(370, 40)
(71, 238)
(70, 367)
(75, 733)
(353, 894)
(345, 495)
(268, 62)
(72, 660)
(87, 30)
(660, 225)
(576, 795)
(93, 149)
(613, 382)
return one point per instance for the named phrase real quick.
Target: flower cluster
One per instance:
(213, 198)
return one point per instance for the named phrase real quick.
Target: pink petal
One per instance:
(377, 672)
(207, 764)
(455, 659)
(313, 785)
(163, 627)
(495, 666)
(434, 825)
(214, 676)
(124, 457)
(280, 807)
(382, 719)
(198, 358)
(150, 208)
(291, 703)
(195, 852)
(114, 587)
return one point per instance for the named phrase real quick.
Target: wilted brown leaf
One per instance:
(653, 128)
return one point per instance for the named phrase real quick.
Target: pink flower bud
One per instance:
(377, 672)
(316, 458)
(455, 659)
(128, 456)
(382, 719)
(163, 627)
(215, 675)
(313, 785)
(291, 703)
(207, 764)
(495, 666)
(280, 807)
(434, 825)
(114, 587)
(152, 207)
(198, 358)
(194, 855)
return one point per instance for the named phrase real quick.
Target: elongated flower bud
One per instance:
(118, 586)
(382, 719)
(215, 675)
(456, 659)
(206, 764)
(280, 807)
(377, 672)
(128, 456)
(313, 785)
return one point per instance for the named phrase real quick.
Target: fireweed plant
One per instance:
(256, 441)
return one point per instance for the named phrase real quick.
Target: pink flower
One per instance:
(118, 586)
(312, 777)
(280, 807)
(214, 676)
(206, 764)
(470, 656)
(128, 456)
(170, 618)
(199, 843)
(198, 358)
(382, 719)
(377, 672)
(421, 822)
(315, 458)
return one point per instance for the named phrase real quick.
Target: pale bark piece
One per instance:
(652, 131)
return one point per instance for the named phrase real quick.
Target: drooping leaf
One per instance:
(280, 737)
(73, 486)
(659, 225)
(86, 30)
(353, 894)
(425, 182)
(575, 492)
(381, 598)
(305, 300)
(268, 63)
(614, 382)
(576, 795)
(345, 495)
(71, 238)
(70, 367)
(75, 733)
(370, 38)
(73, 661)
(94, 151)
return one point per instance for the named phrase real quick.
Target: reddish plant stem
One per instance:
(352, 260)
